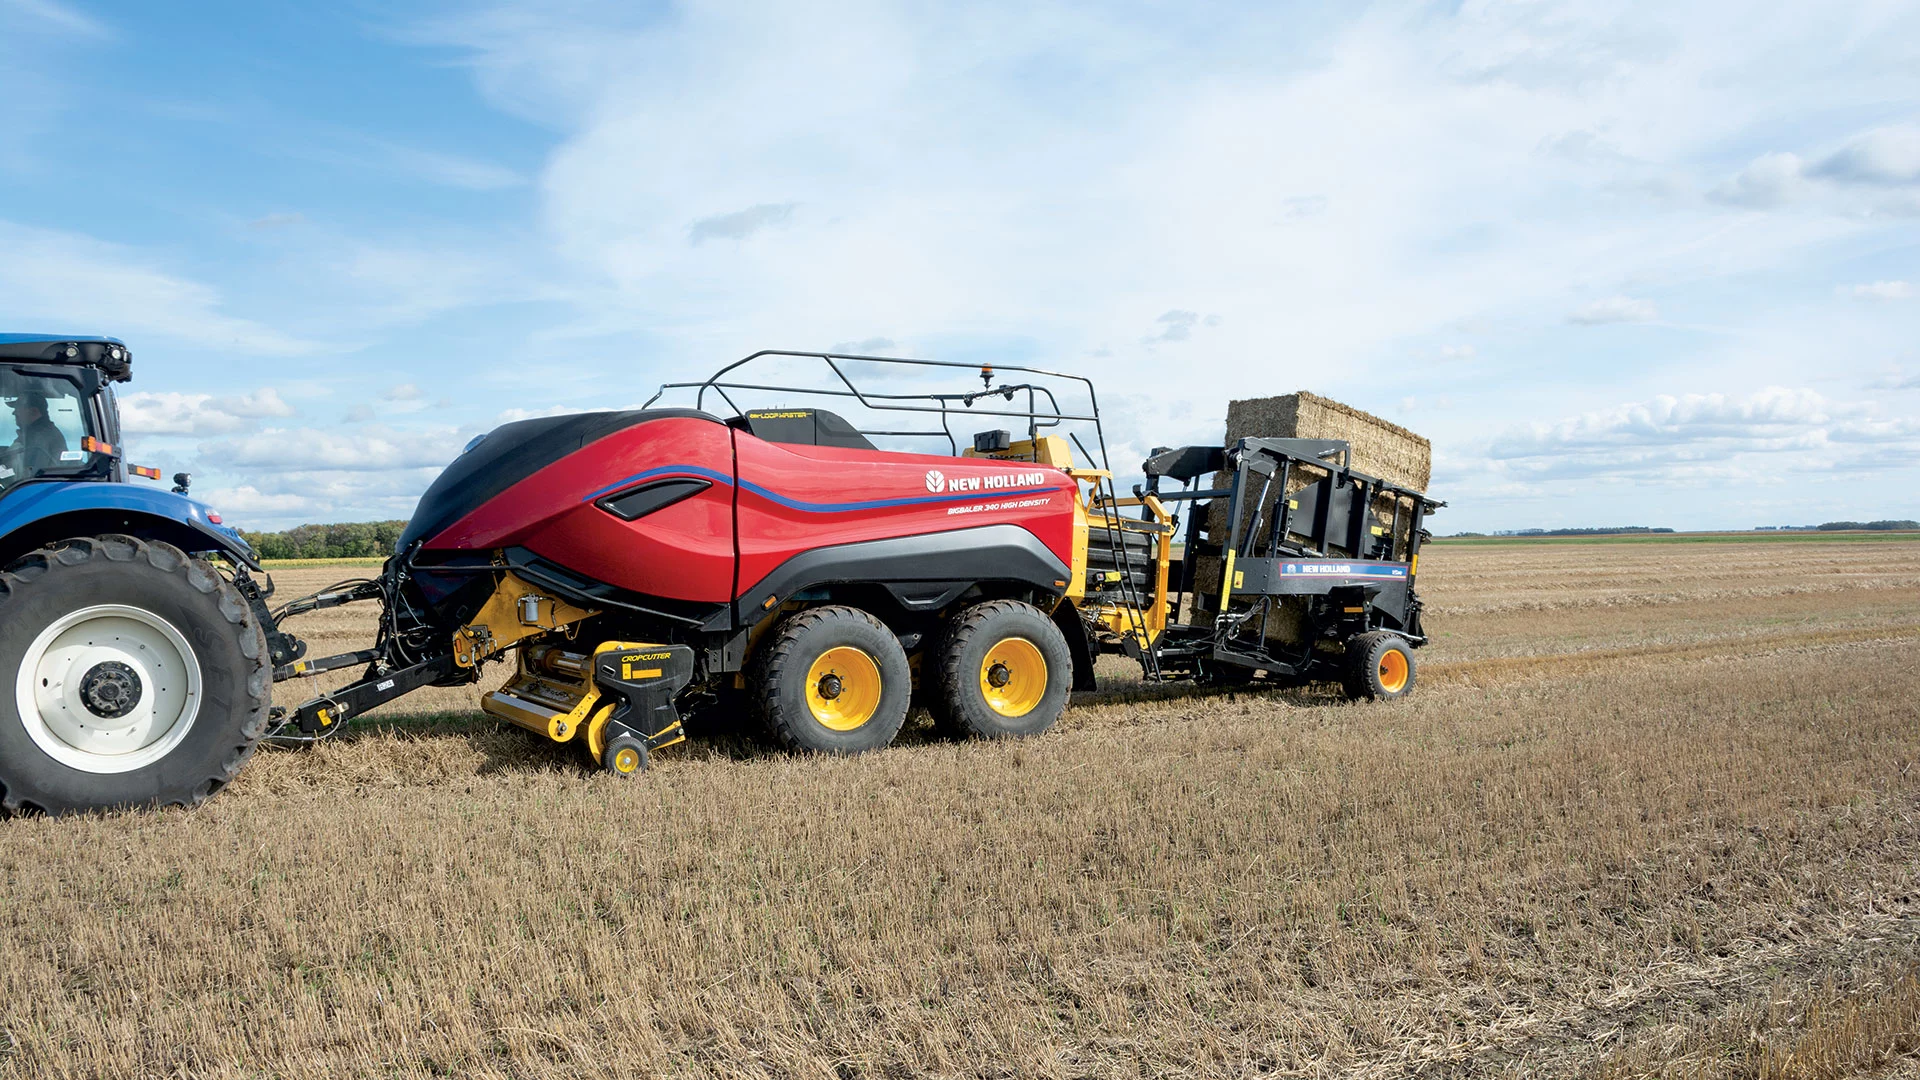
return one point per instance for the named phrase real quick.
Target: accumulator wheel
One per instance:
(130, 675)
(1378, 665)
(1003, 672)
(833, 680)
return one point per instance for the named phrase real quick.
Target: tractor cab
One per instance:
(60, 420)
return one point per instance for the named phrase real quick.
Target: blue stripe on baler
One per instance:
(798, 504)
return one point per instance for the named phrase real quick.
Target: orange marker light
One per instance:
(95, 446)
(147, 471)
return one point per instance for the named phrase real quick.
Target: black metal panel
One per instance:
(1185, 463)
(1006, 553)
(580, 589)
(375, 689)
(805, 427)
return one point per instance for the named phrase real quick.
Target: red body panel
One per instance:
(789, 499)
(684, 551)
(971, 492)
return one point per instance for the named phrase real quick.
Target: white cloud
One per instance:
(77, 281)
(251, 501)
(1877, 160)
(1614, 309)
(1889, 155)
(278, 500)
(741, 223)
(1883, 290)
(1694, 435)
(508, 416)
(1771, 180)
(403, 392)
(166, 412)
(873, 346)
(289, 450)
(947, 193)
(1175, 326)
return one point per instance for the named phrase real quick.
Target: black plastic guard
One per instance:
(644, 682)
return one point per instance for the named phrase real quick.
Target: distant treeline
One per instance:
(1623, 530)
(352, 540)
(1902, 525)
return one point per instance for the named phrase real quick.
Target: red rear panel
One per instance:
(793, 498)
(683, 551)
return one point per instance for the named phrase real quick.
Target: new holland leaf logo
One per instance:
(936, 481)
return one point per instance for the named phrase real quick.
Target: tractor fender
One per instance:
(41, 512)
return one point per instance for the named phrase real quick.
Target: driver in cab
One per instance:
(39, 443)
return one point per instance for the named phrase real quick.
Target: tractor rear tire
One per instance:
(1003, 672)
(131, 674)
(833, 680)
(1379, 666)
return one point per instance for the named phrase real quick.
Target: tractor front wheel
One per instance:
(130, 675)
(1004, 671)
(1378, 665)
(833, 680)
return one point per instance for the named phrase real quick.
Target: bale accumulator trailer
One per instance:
(634, 568)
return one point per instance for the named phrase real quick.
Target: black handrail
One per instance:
(941, 404)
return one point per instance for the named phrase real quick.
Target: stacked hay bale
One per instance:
(1380, 448)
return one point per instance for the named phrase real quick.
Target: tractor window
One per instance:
(41, 427)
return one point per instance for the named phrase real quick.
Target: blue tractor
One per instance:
(135, 664)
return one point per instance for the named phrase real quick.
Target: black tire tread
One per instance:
(30, 568)
(961, 631)
(774, 664)
(1358, 666)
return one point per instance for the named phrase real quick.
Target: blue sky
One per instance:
(1623, 263)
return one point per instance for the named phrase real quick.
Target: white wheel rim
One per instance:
(59, 689)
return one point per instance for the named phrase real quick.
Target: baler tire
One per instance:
(960, 703)
(160, 599)
(791, 697)
(1378, 666)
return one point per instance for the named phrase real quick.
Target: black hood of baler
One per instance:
(509, 454)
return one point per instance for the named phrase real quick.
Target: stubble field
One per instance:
(1653, 808)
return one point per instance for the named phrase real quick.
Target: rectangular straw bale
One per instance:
(1380, 448)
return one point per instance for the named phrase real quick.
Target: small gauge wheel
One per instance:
(625, 756)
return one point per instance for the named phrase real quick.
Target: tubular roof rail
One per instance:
(946, 406)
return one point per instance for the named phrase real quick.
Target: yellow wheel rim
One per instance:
(1013, 676)
(843, 688)
(1393, 671)
(626, 760)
